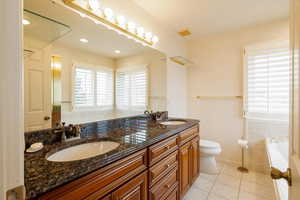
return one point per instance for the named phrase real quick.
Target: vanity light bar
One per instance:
(107, 18)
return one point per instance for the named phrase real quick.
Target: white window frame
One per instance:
(253, 47)
(94, 68)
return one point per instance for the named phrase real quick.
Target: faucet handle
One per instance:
(77, 130)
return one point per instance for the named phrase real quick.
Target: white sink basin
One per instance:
(83, 151)
(167, 123)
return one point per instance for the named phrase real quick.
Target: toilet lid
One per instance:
(209, 144)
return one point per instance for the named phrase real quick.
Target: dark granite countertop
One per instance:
(42, 175)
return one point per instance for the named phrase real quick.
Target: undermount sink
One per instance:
(173, 122)
(83, 151)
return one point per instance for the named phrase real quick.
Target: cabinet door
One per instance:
(184, 168)
(136, 189)
(194, 159)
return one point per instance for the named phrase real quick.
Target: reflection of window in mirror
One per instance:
(132, 88)
(92, 88)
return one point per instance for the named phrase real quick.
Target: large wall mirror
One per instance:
(78, 71)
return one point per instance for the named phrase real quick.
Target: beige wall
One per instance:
(218, 71)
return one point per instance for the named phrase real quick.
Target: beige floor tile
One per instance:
(232, 181)
(225, 191)
(265, 191)
(204, 184)
(195, 193)
(259, 178)
(215, 197)
(249, 196)
(209, 177)
(231, 170)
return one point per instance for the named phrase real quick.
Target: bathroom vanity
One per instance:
(153, 161)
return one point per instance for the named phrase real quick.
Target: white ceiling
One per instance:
(101, 40)
(204, 17)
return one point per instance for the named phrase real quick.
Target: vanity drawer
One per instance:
(162, 149)
(174, 195)
(99, 183)
(187, 135)
(162, 168)
(162, 190)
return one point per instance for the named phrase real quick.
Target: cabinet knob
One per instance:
(46, 118)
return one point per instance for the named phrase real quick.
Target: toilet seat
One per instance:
(209, 144)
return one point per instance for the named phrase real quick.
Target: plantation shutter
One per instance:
(267, 82)
(93, 88)
(84, 87)
(139, 88)
(132, 88)
(104, 85)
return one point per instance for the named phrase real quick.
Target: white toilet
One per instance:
(208, 151)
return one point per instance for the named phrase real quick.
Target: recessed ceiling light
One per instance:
(83, 40)
(117, 51)
(25, 22)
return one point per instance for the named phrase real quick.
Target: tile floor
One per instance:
(230, 184)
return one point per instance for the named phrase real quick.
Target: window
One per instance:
(267, 82)
(132, 89)
(93, 87)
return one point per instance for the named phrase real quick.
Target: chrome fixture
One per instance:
(153, 115)
(69, 133)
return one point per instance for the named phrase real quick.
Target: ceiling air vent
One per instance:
(184, 33)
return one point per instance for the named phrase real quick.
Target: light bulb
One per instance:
(121, 21)
(117, 51)
(155, 39)
(97, 22)
(94, 5)
(109, 14)
(81, 3)
(131, 27)
(82, 15)
(83, 40)
(25, 22)
(148, 36)
(140, 32)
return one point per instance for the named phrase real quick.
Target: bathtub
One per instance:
(277, 150)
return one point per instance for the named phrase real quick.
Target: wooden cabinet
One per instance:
(189, 162)
(164, 188)
(136, 189)
(184, 168)
(174, 195)
(194, 159)
(163, 171)
(98, 184)
(162, 149)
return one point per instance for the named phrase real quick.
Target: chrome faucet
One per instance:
(68, 133)
(153, 115)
